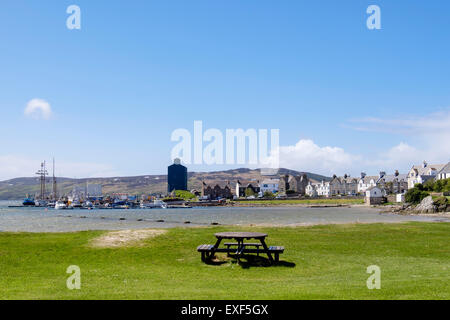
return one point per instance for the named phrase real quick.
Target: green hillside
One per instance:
(17, 188)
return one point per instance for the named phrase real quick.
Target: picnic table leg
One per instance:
(239, 250)
(213, 251)
(266, 249)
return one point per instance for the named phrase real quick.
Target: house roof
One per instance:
(346, 180)
(245, 183)
(373, 189)
(270, 181)
(445, 169)
(392, 177)
(367, 179)
(425, 177)
(221, 184)
(422, 171)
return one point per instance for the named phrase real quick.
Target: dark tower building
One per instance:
(176, 176)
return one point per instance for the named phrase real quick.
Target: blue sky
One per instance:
(345, 98)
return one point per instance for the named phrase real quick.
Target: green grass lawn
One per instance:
(302, 201)
(320, 262)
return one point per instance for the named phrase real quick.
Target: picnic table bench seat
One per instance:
(205, 250)
(276, 250)
(205, 247)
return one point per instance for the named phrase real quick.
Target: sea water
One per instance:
(51, 220)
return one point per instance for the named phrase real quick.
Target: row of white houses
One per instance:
(389, 183)
(395, 183)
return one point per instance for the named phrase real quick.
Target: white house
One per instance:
(444, 173)
(374, 195)
(269, 185)
(323, 189)
(366, 182)
(337, 186)
(423, 173)
(311, 189)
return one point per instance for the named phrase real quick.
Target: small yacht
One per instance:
(60, 205)
(28, 202)
(155, 204)
(88, 204)
(76, 203)
(40, 203)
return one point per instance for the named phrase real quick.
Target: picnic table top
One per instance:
(240, 235)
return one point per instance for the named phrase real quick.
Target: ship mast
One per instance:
(54, 181)
(42, 174)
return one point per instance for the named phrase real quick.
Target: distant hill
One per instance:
(149, 184)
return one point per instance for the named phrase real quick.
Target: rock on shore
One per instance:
(426, 206)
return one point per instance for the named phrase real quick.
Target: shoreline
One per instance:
(252, 225)
(296, 203)
(399, 210)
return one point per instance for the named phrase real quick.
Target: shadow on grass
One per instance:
(250, 261)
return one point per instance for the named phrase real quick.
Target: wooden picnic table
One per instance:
(240, 237)
(208, 250)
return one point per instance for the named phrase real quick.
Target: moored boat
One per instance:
(40, 203)
(88, 205)
(60, 205)
(28, 202)
(155, 204)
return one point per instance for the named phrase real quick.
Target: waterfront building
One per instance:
(323, 189)
(423, 173)
(444, 173)
(391, 183)
(176, 176)
(374, 195)
(345, 185)
(269, 185)
(242, 186)
(311, 190)
(320, 189)
(216, 191)
(366, 182)
(293, 184)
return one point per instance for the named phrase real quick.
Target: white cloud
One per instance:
(38, 109)
(13, 166)
(433, 123)
(429, 134)
(424, 137)
(400, 156)
(305, 155)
